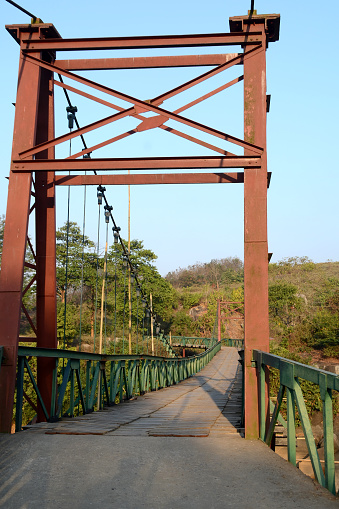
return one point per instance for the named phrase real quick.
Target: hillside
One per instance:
(303, 304)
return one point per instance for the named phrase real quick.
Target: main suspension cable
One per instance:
(23, 10)
(115, 228)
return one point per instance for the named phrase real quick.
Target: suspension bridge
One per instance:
(136, 421)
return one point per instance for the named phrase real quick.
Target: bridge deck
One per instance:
(175, 448)
(206, 404)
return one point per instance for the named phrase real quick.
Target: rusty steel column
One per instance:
(29, 126)
(45, 245)
(255, 206)
(255, 230)
(15, 234)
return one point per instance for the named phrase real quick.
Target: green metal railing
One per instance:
(91, 380)
(290, 372)
(192, 342)
(237, 343)
(168, 347)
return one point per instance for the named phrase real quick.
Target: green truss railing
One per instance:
(237, 343)
(168, 347)
(192, 342)
(290, 372)
(195, 342)
(91, 380)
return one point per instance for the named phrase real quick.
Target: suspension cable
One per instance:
(72, 117)
(23, 10)
(115, 228)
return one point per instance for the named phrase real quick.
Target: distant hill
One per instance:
(303, 303)
(215, 273)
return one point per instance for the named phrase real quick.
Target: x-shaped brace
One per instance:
(140, 107)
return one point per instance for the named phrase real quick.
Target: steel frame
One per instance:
(33, 151)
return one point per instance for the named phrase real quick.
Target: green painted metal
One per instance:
(291, 439)
(328, 440)
(81, 393)
(196, 342)
(269, 435)
(111, 378)
(91, 401)
(192, 342)
(290, 372)
(20, 393)
(235, 343)
(54, 389)
(312, 449)
(166, 342)
(281, 420)
(62, 391)
(262, 396)
(35, 386)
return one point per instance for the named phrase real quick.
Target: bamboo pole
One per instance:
(152, 337)
(101, 324)
(129, 274)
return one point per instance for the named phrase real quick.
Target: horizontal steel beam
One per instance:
(99, 64)
(150, 163)
(164, 41)
(147, 179)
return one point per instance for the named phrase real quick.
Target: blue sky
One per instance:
(188, 224)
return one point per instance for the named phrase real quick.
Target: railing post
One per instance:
(19, 393)
(326, 396)
(291, 440)
(262, 396)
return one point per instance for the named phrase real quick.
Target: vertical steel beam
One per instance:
(255, 230)
(15, 234)
(45, 229)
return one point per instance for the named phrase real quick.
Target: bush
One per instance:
(323, 330)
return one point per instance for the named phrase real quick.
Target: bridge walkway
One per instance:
(175, 448)
(206, 404)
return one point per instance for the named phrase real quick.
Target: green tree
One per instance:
(70, 244)
(283, 302)
(183, 325)
(142, 259)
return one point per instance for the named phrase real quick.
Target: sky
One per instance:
(196, 223)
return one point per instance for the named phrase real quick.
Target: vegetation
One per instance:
(303, 296)
(303, 299)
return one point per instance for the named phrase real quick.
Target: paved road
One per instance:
(175, 448)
